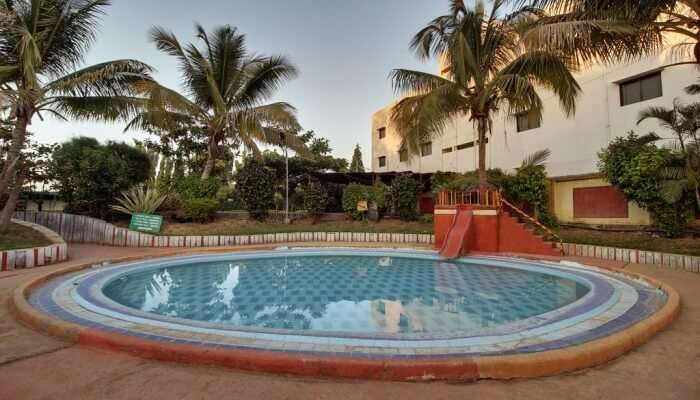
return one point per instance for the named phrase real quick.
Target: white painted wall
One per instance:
(574, 141)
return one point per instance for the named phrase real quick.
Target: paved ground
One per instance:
(33, 366)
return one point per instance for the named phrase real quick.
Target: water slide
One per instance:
(455, 240)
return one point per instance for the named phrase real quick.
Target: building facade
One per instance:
(608, 107)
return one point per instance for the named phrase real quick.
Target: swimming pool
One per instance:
(355, 294)
(379, 306)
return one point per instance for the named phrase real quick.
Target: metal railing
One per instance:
(489, 198)
(483, 197)
(533, 221)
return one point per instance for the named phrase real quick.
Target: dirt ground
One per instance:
(33, 366)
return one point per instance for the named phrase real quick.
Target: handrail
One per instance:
(486, 198)
(532, 220)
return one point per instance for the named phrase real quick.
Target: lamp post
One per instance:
(283, 140)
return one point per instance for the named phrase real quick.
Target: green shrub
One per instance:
(637, 168)
(452, 181)
(230, 198)
(404, 192)
(379, 194)
(354, 193)
(315, 199)
(256, 183)
(89, 175)
(200, 210)
(193, 187)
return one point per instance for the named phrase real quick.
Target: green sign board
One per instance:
(146, 223)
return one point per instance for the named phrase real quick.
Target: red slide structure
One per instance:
(455, 242)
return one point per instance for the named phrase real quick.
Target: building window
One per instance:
(447, 150)
(526, 121)
(382, 133)
(641, 89)
(382, 161)
(426, 149)
(403, 155)
(467, 145)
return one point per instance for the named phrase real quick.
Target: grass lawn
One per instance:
(20, 237)
(631, 240)
(237, 227)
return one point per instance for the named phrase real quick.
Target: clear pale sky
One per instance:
(344, 49)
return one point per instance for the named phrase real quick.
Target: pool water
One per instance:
(343, 293)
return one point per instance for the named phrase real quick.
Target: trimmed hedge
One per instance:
(315, 199)
(256, 184)
(404, 191)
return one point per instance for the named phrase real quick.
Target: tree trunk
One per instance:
(211, 159)
(9, 209)
(19, 135)
(482, 128)
(696, 51)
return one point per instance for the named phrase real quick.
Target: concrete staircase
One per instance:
(517, 237)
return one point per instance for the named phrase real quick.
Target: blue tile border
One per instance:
(647, 303)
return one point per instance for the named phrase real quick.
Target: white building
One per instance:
(611, 99)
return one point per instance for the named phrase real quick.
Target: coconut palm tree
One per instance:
(613, 30)
(42, 44)
(488, 70)
(225, 90)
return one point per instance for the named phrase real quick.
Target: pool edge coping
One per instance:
(540, 364)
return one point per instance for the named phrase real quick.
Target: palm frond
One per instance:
(97, 108)
(537, 158)
(407, 82)
(263, 77)
(423, 117)
(113, 78)
(609, 31)
(662, 114)
(551, 71)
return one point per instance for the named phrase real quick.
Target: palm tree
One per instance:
(225, 88)
(42, 42)
(488, 70)
(684, 121)
(613, 30)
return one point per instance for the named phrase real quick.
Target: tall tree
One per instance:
(225, 91)
(489, 69)
(614, 30)
(42, 43)
(356, 165)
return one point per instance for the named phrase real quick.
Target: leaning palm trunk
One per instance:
(41, 45)
(19, 135)
(9, 208)
(211, 159)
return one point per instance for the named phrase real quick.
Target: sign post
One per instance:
(149, 223)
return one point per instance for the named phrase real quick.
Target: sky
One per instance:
(344, 50)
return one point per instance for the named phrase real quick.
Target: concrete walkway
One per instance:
(33, 366)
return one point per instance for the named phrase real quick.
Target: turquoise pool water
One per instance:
(345, 293)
